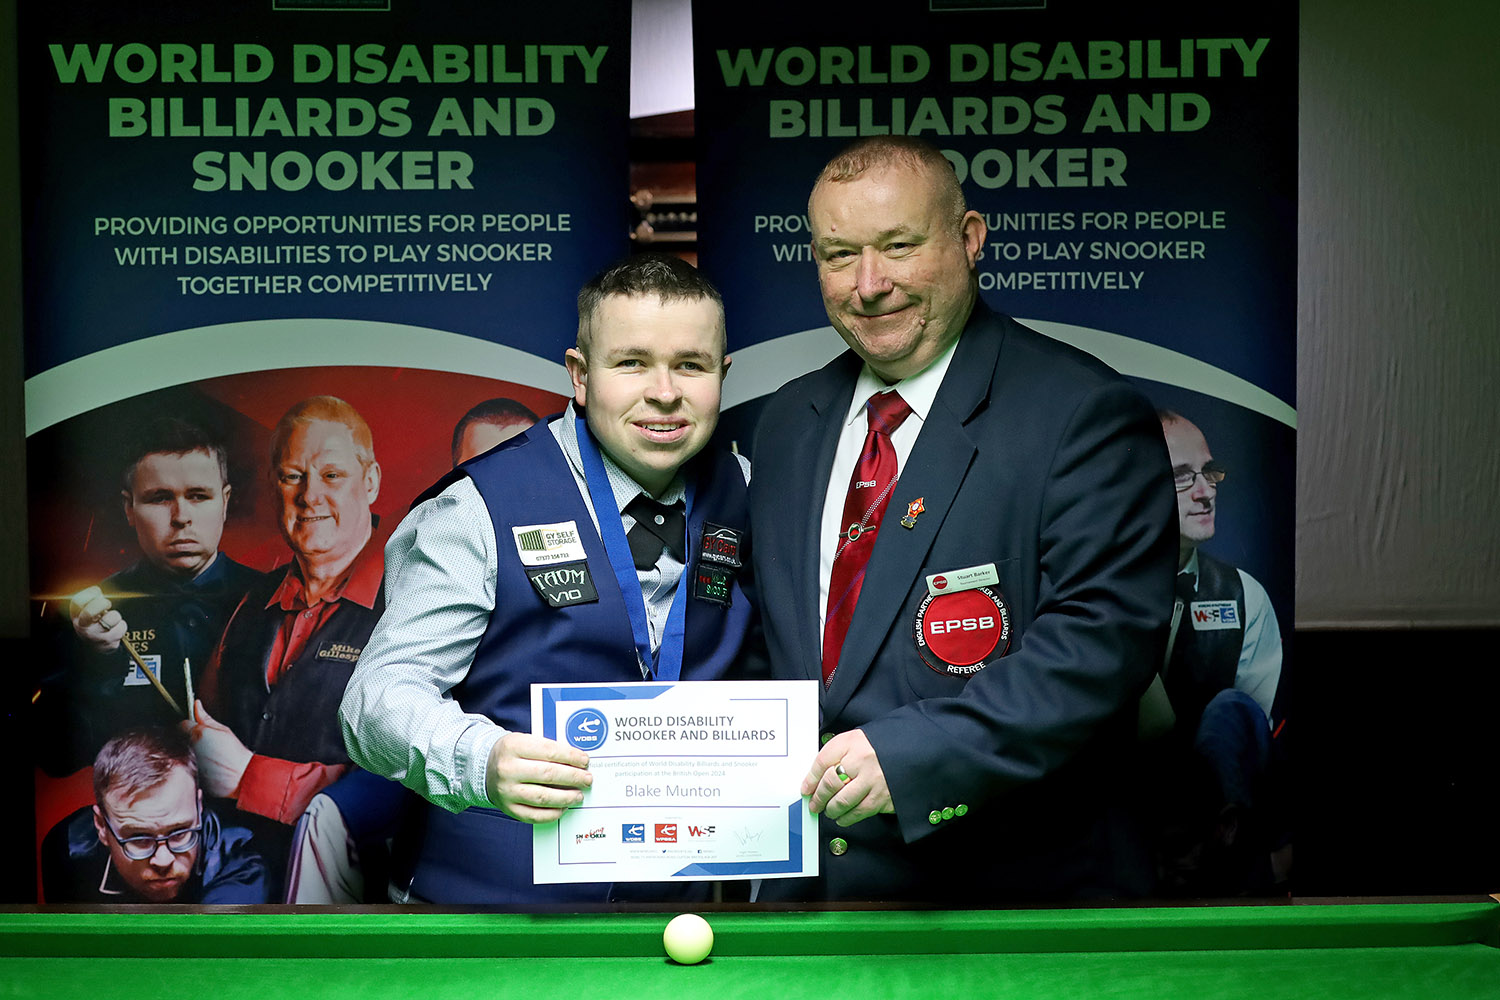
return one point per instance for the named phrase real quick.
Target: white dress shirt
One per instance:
(919, 391)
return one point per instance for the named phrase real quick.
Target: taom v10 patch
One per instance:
(959, 634)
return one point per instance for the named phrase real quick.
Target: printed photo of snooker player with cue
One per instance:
(164, 518)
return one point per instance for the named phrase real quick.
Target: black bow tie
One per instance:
(657, 527)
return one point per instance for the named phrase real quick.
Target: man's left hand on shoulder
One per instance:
(859, 792)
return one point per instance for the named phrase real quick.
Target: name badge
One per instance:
(968, 578)
(1210, 616)
(340, 651)
(548, 544)
(561, 586)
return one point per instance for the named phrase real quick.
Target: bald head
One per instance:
(901, 152)
(896, 253)
(1197, 503)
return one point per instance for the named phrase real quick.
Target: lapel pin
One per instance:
(912, 510)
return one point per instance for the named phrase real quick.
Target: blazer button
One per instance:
(960, 810)
(947, 812)
(266, 716)
(823, 740)
(934, 817)
(837, 846)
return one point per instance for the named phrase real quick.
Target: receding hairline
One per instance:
(1170, 417)
(895, 153)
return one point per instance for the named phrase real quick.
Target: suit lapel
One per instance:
(828, 401)
(935, 470)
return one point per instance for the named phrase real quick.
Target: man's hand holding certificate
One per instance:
(692, 781)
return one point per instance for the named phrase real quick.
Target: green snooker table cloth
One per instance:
(1442, 950)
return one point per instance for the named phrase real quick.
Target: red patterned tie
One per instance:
(869, 494)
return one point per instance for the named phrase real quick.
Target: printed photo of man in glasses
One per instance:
(148, 838)
(1215, 698)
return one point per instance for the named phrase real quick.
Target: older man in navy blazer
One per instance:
(980, 571)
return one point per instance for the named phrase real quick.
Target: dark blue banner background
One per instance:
(560, 189)
(1202, 312)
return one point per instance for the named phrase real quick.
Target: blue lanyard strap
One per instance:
(666, 663)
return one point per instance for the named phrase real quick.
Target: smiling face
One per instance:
(173, 804)
(177, 505)
(1196, 505)
(651, 381)
(325, 494)
(895, 267)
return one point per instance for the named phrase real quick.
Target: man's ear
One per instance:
(727, 362)
(128, 503)
(974, 233)
(99, 829)
(578, 371)
(372, 482)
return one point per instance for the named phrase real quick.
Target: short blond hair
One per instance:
(333, 410)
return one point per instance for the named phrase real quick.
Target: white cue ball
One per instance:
(688, 939)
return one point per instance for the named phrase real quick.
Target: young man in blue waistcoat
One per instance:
(558, 556)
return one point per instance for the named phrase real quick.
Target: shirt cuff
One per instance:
(473, 758)
(281, 789)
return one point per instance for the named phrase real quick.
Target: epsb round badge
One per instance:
(958, 634)
(586, 729)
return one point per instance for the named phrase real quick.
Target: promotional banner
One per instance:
(286, 264)
(1135, 168)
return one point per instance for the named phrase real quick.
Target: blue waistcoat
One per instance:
(482, 855)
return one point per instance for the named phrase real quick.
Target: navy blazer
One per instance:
(1006, 784)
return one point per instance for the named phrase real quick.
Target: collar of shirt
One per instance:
(659, 583)
(1191, 570)
(919, 390)
(213, 575)
(162, 581)
(361, 582)
(621, 485)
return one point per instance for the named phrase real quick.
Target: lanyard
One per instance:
(666, 664)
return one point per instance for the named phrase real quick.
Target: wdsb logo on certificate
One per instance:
(692, 781)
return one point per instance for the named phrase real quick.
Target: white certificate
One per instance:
(692, 781)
